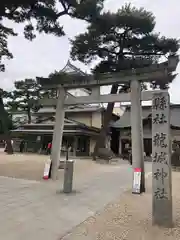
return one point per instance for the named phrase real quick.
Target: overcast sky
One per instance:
(48, 53)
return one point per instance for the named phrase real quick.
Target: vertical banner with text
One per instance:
(137, 181)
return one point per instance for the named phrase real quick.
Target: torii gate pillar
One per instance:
(137, 133)
(58, 133)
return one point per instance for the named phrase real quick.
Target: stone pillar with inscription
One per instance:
(161, 160)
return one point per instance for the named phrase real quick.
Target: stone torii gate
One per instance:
(157, 72)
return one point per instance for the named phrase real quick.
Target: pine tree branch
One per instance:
(65, 11)
(143, 54)
(62, 14)
(66, 8)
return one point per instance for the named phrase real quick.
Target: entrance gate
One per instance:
(161, 145)
(162, 197)
(157, 72)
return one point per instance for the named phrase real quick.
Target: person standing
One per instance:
(5, 147)
(21, 146)
(49, 148)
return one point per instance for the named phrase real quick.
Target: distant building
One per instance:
(123, 125)
(81, 127)
(19, 118)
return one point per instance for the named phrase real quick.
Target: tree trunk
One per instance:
(5, 128)
(101, 139)
(9, 145)
(29, 105)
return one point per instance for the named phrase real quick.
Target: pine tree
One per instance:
(5, 121)
(122, 40)
(24, 97)
(41, 16)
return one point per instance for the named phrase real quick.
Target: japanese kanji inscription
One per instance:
(161, 159)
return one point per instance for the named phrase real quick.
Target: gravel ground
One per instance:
(129, 218)
(31, 166)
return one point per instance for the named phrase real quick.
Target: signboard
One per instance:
(47, 169)
(137, 181)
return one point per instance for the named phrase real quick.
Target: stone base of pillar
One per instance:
(161, 217)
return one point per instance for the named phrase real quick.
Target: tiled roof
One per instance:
(50, 121)
(79, 108)
(125, 120)
(71, 69)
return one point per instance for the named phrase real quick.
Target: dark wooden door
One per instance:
(148, 146)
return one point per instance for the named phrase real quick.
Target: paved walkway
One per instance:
(36, 210)
(129, 217)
